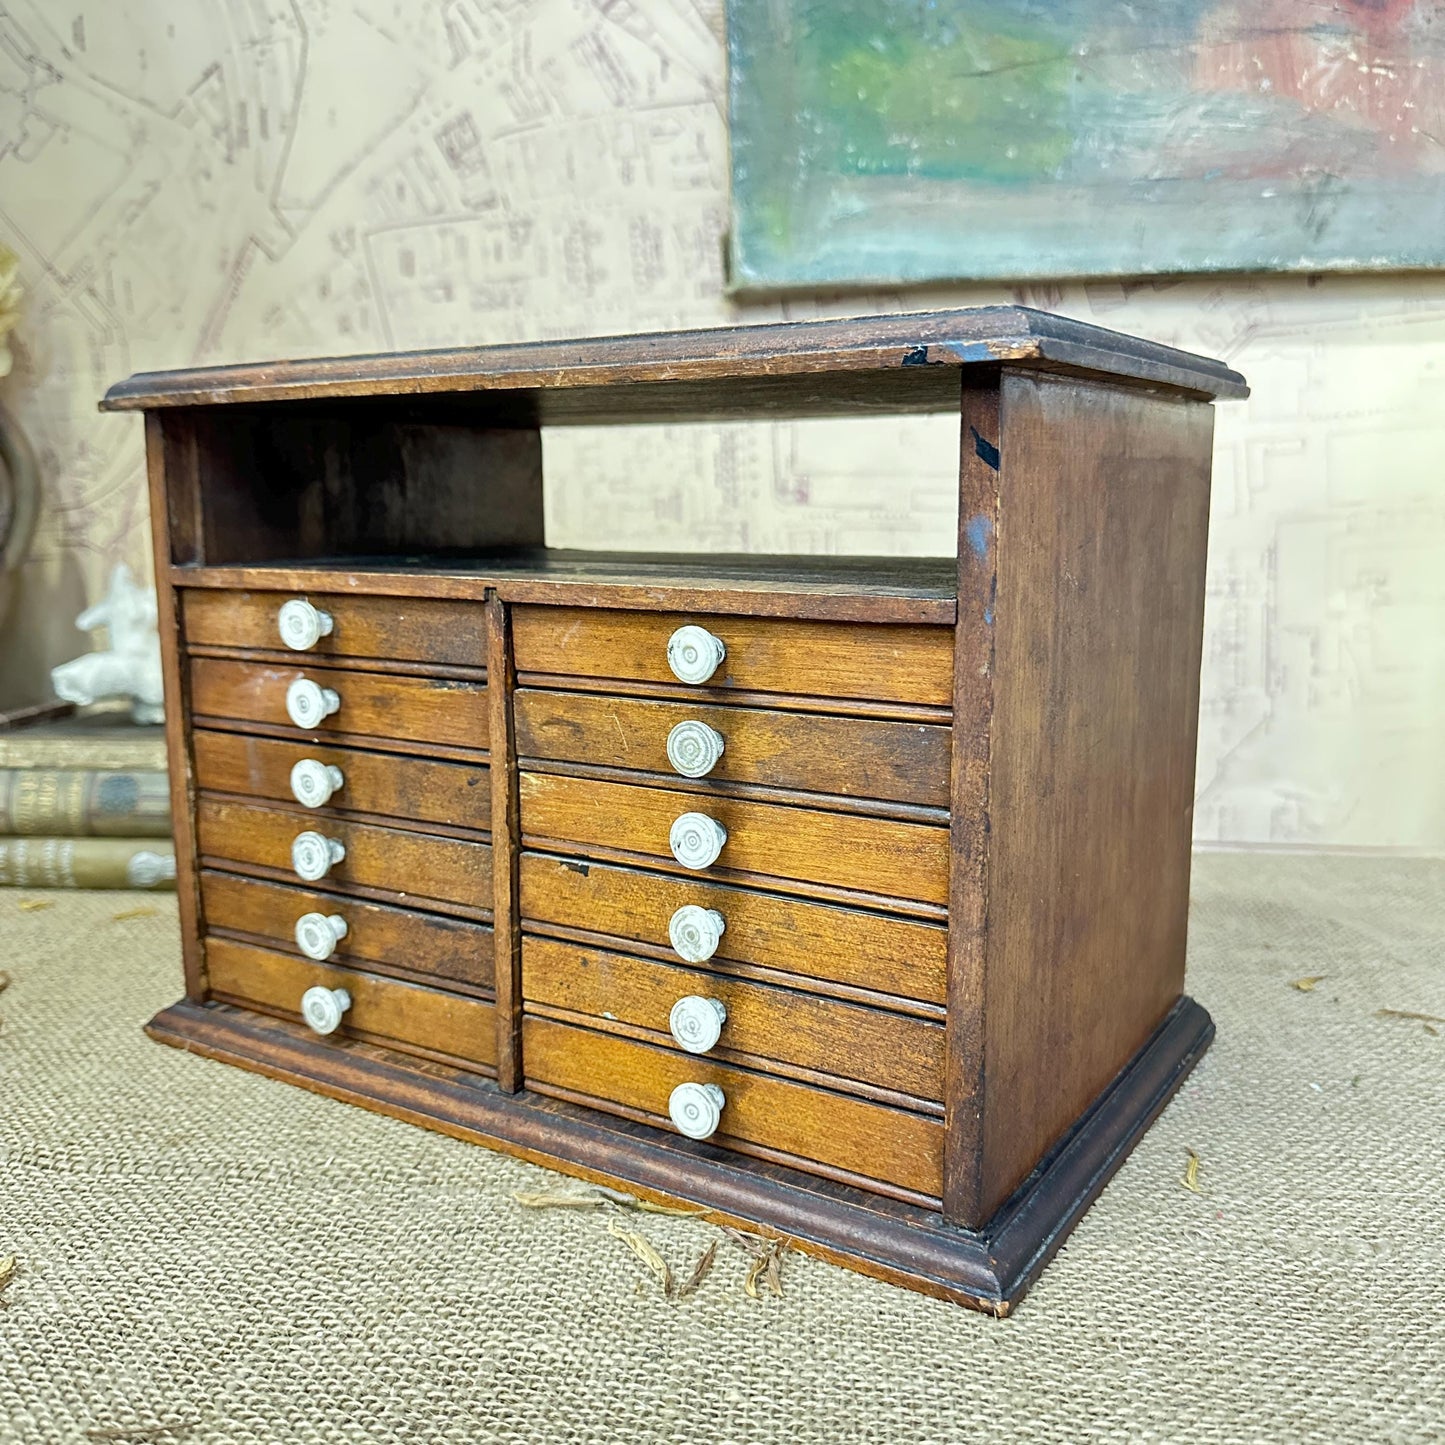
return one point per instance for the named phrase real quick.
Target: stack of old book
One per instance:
(85, 803)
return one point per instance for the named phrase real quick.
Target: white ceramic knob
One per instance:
(313, 856)
(696, 1022)
(313, 783)
(308, 704)
(695, 932)
(322, 1008)
(696, 840)
(317, 934)
(696, 1109)
(301, 625)
(693, 749)
(694, 654)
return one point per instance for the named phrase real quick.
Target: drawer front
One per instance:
(383, 1010)
(822, 659)
(860, 1139)
(458, 794)
(407, 629)
(424, 943)
(763, 1025)
(897, 762)
(898, 860)
(414, 709)
(389, 859)
(899, 956)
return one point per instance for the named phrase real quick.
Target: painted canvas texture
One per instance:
(913, 140)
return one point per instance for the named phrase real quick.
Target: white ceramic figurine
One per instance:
(131, 667)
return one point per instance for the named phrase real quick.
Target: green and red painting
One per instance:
(912, 140)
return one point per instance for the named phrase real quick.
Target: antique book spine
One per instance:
(84, 802)
(130, 750)
(87, 863)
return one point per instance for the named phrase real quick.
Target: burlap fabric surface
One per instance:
(205, 1255)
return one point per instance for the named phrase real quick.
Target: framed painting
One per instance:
(885, 141)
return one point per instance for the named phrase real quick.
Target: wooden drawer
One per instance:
(847, 946)
(407, 629)
(822, 659)
(383, 1010)
(457, 794)
(764, 1026)
(414, 709)
(878, 855)
(831, 1133)
(391, 860)
(376, 935)
(899, 762)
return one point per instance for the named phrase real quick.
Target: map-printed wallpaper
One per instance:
(227, 180)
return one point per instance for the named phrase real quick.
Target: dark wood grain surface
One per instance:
(173, 490)
(979, 545)
(507, 848)
(1104, 508)
(846, 365)
(957, 792)
(321, 478)
(917, 590)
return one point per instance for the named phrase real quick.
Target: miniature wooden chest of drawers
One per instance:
(844, 898)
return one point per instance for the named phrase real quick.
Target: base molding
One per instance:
(988, 1269)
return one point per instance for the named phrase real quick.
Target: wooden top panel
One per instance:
(887, 363)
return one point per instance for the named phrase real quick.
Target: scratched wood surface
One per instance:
(893, 961)
(840, 589)
(813, 367)
(848, 757)
(396, 861)
(408, 628)
(422, 710)
(381, 784)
